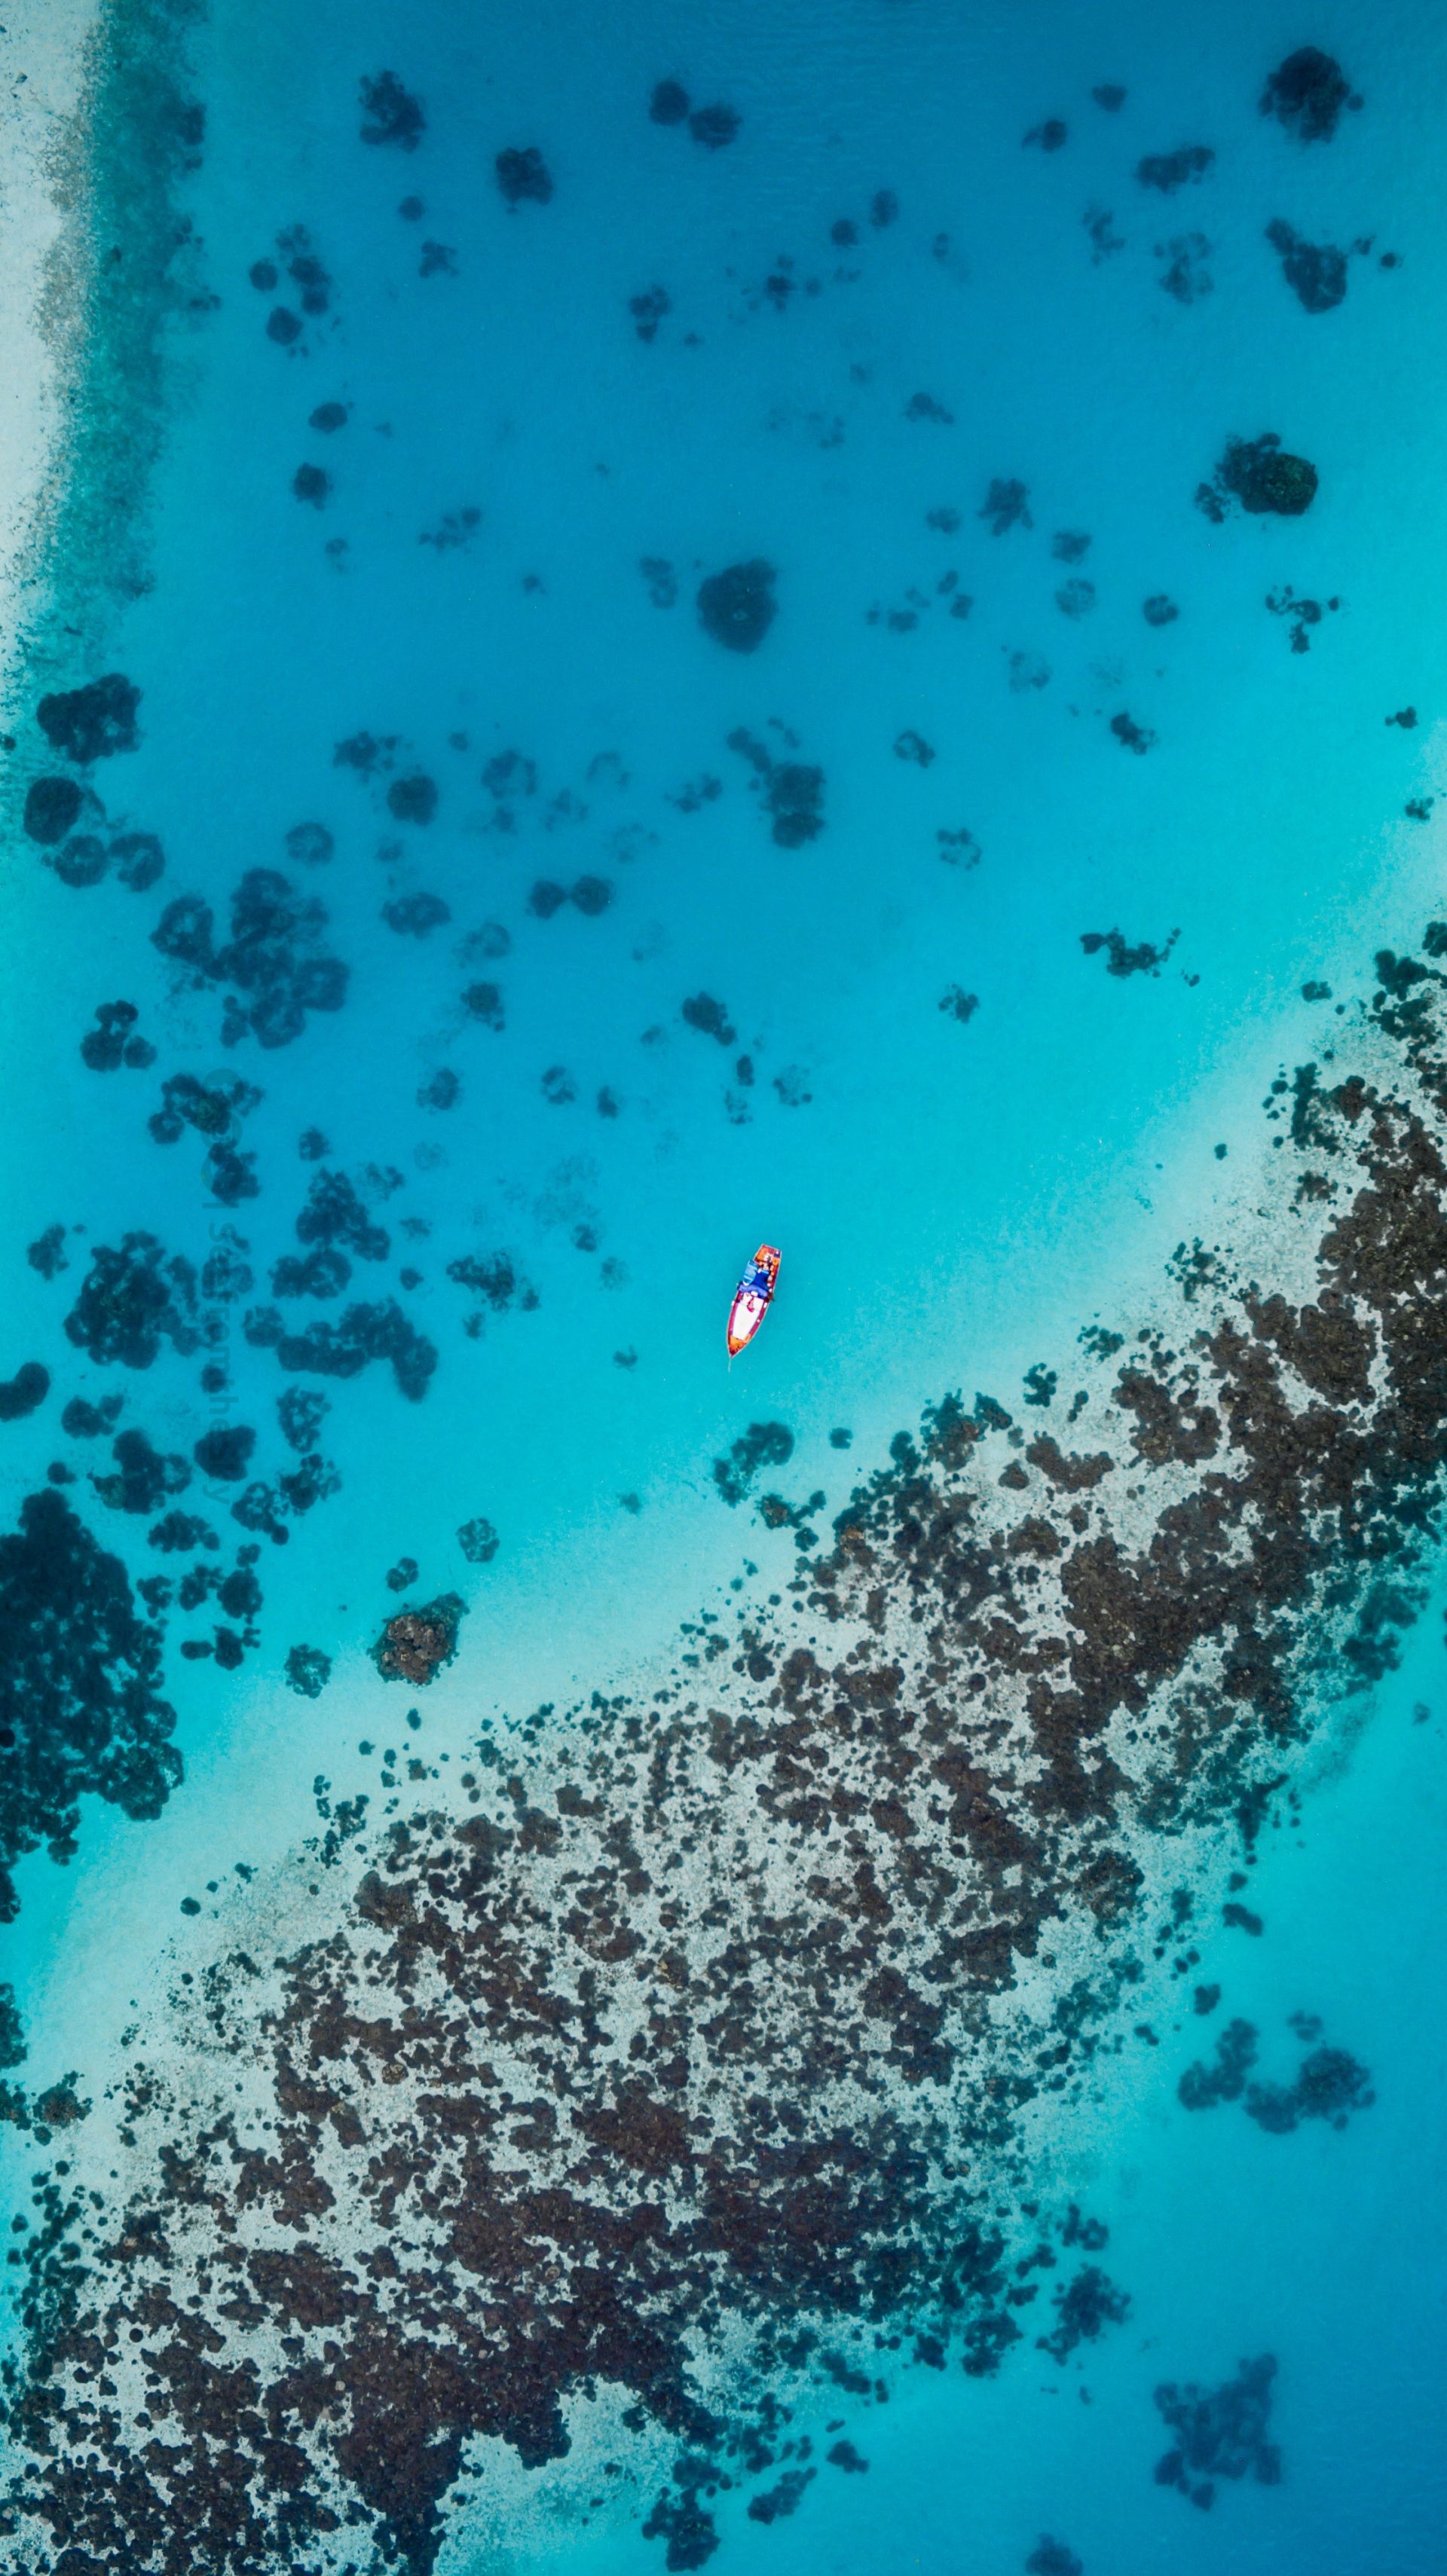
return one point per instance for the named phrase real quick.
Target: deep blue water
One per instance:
(419, 634)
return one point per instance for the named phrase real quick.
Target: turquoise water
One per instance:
(458, 520)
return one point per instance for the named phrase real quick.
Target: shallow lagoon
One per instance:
(956, 1189)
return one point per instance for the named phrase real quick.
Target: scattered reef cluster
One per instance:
(666, 2069)
(669, 2059)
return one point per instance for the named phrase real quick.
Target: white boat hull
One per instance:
(745, 1316)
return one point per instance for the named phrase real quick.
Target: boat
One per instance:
(753, 1298)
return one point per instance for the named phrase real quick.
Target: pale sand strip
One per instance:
(42, 72)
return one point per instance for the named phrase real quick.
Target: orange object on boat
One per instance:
(753, 1298)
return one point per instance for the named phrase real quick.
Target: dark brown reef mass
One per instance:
(697, 2055)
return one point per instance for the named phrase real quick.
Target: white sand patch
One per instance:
(42, 67)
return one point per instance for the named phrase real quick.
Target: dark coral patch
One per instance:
(764, 1444)
(84, 1421)
(51, 808)
(79, 1676)
(103, 1048)
(791, 791)
(390, 113)
(413, 799)
(1134, 737)
(91, 723)
(1220, 2432)
(336, 1216)
(273, 963)
(1307, 93)
(416, 916)
(143, 1478)
(1330, 2085)
(704, 1012)
(363, 1333)
(715, 126)
(211, 1109)
(138, 860)
(133, 1298)
(478, 1541)
(1124, 958)
(1006, 505)
(523, 177)
(737, 606)
(1314, 271)
(1266, 477)
(24, 1392)
(1052, 2558)
(1168, 171)
(483, 1002)
(225, 1453)
(81, 861)
(1263, 476)
(308, 1671)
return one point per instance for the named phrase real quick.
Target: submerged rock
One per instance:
(414, 1646)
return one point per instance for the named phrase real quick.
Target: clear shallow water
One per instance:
(953, 1196)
